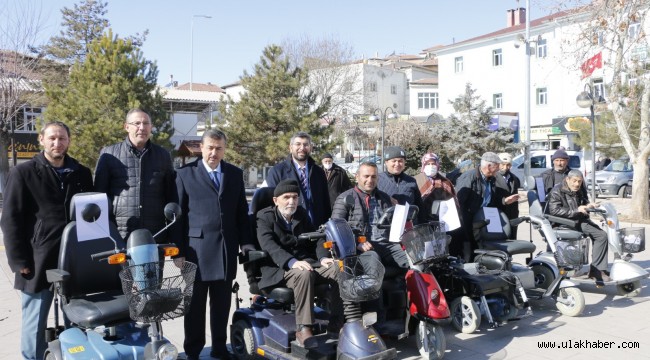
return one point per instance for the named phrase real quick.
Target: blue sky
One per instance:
(233, 39)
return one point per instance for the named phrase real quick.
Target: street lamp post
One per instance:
(383, 116)
(192, 45)
(586, 99)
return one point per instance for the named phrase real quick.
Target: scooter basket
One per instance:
(156, 292)
(360, 278)
(632, 239)
(424, 244)
(572, 253)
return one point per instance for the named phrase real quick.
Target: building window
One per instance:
(497, 101)
(634, 30)
(599, 37)
(541, 48)
(458, 64)
(542, 96)
(428, 100)
(373, 86)
(599, 88)
(497, 57)
(25, 120)
(393, 89)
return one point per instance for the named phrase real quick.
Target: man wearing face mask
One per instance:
(337, 178)
(397, 184)
(296, 264)
(510, 185)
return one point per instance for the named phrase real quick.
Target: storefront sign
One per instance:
(26, 145)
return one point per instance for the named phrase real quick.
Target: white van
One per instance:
(540, 161)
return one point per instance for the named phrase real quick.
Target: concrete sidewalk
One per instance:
(607, 318)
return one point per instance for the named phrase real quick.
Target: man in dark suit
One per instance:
(314, 193)
(212, 195)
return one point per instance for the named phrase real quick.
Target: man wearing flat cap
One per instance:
(337, 178)
(397, 184)
(476, 189)
(299, 265)
(556, 175)
(510, 184)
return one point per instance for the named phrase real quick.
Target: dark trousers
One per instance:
(391, 254)
(599, 244)
(220, 299)
(303, 283)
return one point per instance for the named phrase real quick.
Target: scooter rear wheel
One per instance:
(630, 289)
(575, 299)
(465, 314)
(543, 276)
(242, 340)
(430, 340)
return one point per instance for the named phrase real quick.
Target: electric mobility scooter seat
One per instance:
(91, 290)
(499, 240)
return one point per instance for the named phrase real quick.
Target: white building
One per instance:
(495, 65)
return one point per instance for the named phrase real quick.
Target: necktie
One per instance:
(214, 175)
(303, 179)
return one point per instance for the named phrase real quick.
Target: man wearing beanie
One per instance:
(556, 175)
(398, 184)
(510, 184)
(337, 178)
(299, 265)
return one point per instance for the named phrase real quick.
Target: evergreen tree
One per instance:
(113, 79)
(270, 111)
(466, 134)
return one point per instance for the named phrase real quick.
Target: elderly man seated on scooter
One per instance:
(567, 200)
(299, 265)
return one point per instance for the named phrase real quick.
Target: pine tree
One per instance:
(114, 78)
(270, 111)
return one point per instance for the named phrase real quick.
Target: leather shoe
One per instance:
(305, 337)
(600, 276)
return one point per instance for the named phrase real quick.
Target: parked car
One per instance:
(354, 167)
(540, 161)
(615, 178)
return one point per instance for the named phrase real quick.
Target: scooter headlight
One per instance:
(434, 294)
(167, 352)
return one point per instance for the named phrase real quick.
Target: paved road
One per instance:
(607, 318)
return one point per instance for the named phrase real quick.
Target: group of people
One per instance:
(139, 179)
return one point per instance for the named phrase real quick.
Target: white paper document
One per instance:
(541, 192)
(492, 214)
(398, 223)
(97, 229)
(449, 214)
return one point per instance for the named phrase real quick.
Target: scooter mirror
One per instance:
(91, 212)
(172, 211)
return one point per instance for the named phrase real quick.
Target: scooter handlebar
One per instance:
(519, 220)
(312, 236)
(597, 210)
(103, 255)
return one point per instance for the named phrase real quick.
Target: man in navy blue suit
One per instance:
(215, 226)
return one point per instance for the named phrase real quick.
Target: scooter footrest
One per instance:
(325, 350)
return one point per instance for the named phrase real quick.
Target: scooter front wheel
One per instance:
(430, 340)
(570, 301)
(630, 289)
(242, 340)
(465, 314)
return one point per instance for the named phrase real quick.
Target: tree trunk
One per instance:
(5, 141)
(640, 197)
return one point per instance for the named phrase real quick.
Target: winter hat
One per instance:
(491, 157)
(286, 186)
(505, 158)
(327, 156)
(560, 154)
(394, 152)
(428, 157)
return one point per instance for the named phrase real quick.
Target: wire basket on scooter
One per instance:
(158, 291)
(572, 253)
(360, 278)
(632, 239)
(424, 244)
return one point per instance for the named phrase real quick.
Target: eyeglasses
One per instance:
(140, 123)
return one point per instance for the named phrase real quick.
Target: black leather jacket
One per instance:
(564, 203)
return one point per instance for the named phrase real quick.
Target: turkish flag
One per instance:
(588, 67)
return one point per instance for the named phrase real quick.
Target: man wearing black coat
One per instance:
(300, 265)
(337, 178)
(214, 227)
(138, 177)
(314, 195)
(36, 209)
